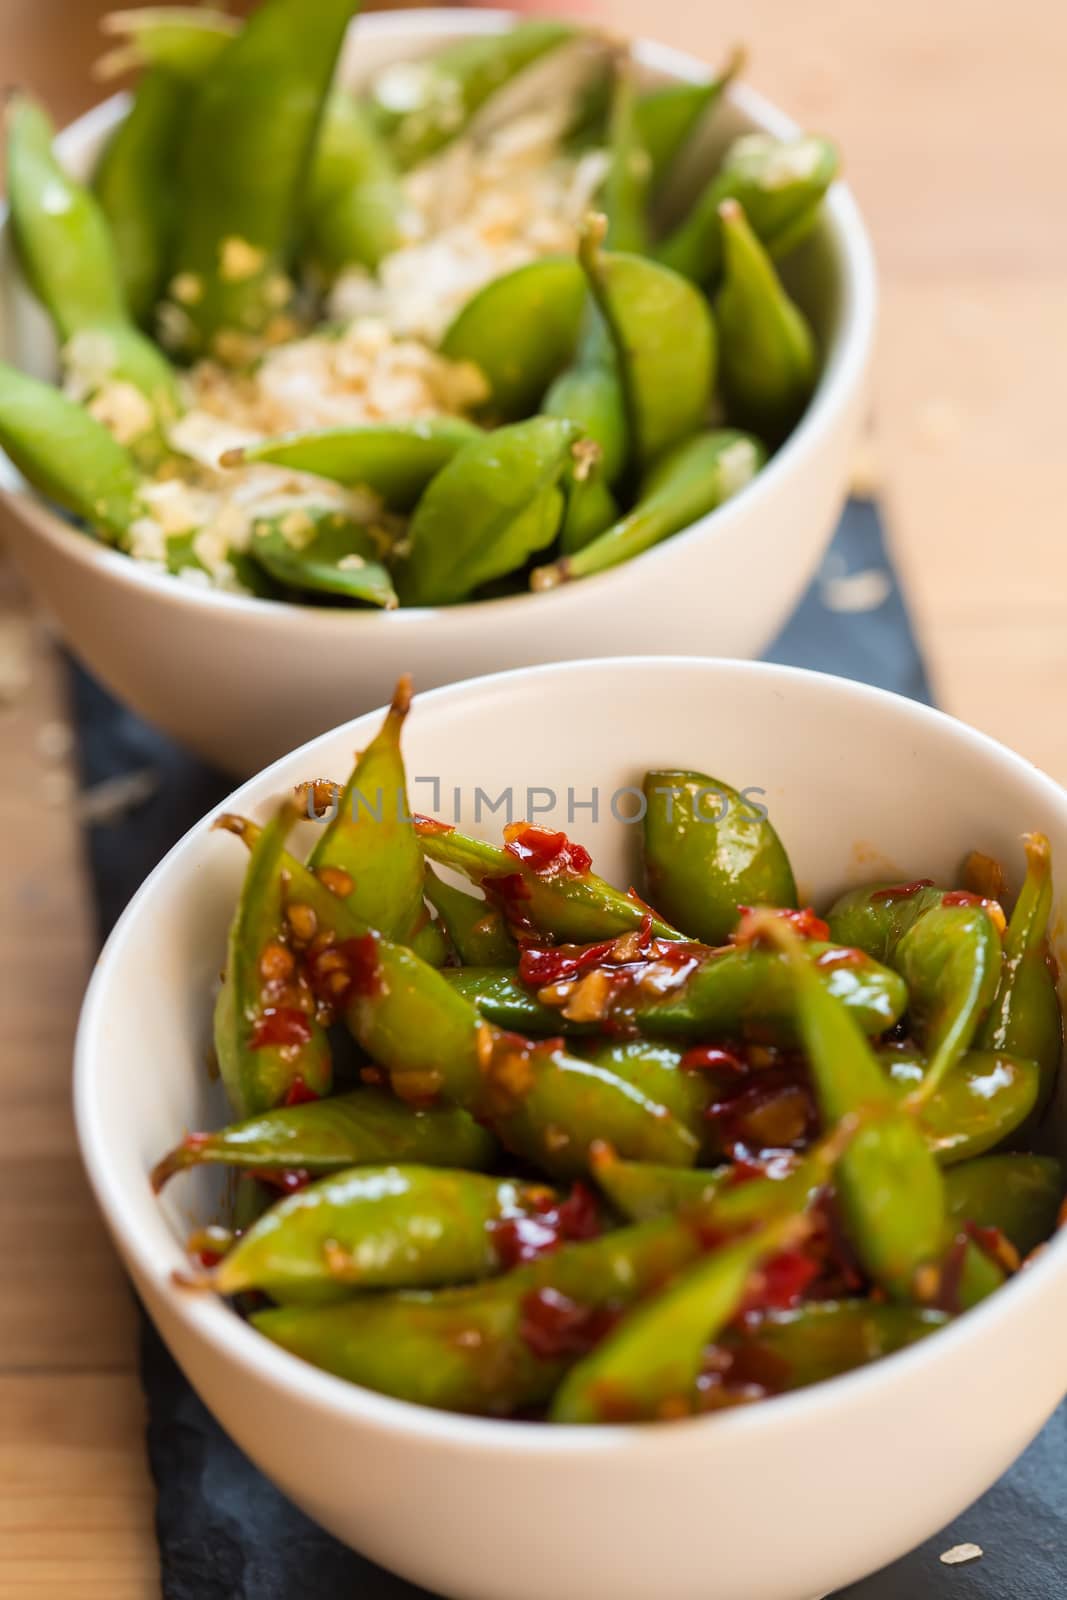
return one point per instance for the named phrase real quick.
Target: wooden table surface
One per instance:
(951, 117)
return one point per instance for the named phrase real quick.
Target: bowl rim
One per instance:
(211, 1321)
(843, 373)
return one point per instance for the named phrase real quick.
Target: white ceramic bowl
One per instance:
(779, 1502)
(241, 680)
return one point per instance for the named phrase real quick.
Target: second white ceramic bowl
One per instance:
(241, 680)
(781, 1501)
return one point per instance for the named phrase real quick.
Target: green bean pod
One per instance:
(67, 253)
(768, 360)
(703, 993)
(246, 152)
(67, 455)
(1025, 1016)
(646, 1369)
(421, 106)
(704, 862)
(394, 1227)
(498, 501)
(690, 482)
(395, 460)
(980, 1103)
(319, 549)
(133, 183)
(357, 211)
(489, 1349)
(268, 1040)
(540, 305)
(369, 843)
(664, 340)
(779, 182)
(793, 1349)
(1019, 1195)
(348, 1130)
(476, 930)
(569, 905)
(890, 1189)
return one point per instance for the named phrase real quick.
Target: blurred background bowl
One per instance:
(241, 680)
(780, 1501)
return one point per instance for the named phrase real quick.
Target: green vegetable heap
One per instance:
(543, 1149)
(607, 380)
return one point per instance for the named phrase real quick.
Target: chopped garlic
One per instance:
(239, 260)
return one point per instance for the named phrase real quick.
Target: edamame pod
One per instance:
(1019, 1195)
(890, 1190)
(394, 459)
(768, 361)
(268, 1040)
(68, 256)
(675, 990)
(375, 1228)
(420, 106)
(779, 182)
(981, 1102)
(67, 455)
(246, 152)
(646, 1369)
(346, 1130)
(690, 482)
(320, 550)
(1025, 1015)
(357, 211)
(664, 340)
(133, 183)
(520, 331)
(708, 853)
(368, 852)
(541, 880)
(476, 929)
(183, 40)
(589, 394)
(498, 501)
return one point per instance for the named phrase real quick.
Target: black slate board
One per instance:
(224, 1532)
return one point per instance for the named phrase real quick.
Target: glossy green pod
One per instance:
(483, 1349)
(653, 1067)
(267, 1038)
(768, 359)
(67, 253)
(780, 183)
(570, 905)
(520, 331)
(1025, 1016)
(369, 843)
(664, 340)
(133, 184)
(375, 1227)
(787, 1350)
(646, 1369)
(476, 930)
(357, 212)
(591, 510)
(394, 459)
(589, 394)
(889, 1187)
(980, 1103)
(67, 455)
(691, 481)
(420, 106)
(346, 1130)
(704, 993)
(320, 550)
(245, 156)
(708, 851)
(497, 502)
(1020, 1195)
